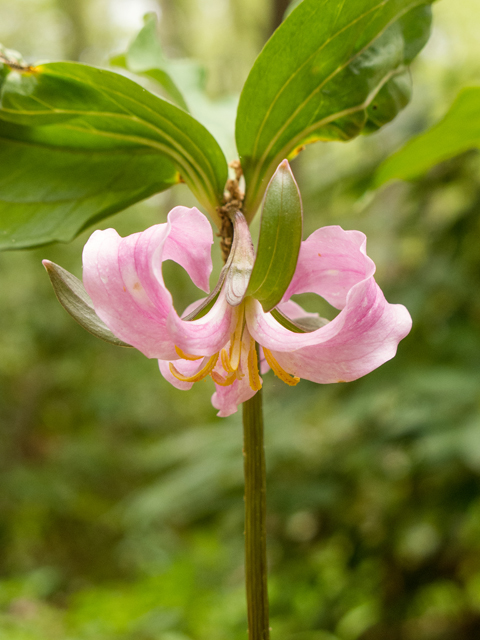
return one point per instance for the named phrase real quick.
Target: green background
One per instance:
(121, 510)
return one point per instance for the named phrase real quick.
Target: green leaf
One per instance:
(51, 194)
(72, 296)
(279, 240)
(332, 70)
(457, 132)
(145, 57)
(70, 107)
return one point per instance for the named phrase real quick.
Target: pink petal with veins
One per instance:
(330, 262)
(206, 335)
(364, 335)
(124, 279)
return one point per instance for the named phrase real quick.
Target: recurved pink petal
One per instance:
(364, 335)
(124, 279)
(206, 335)
(189, 244)
(330, 263)
(227, 399)
(119, 297)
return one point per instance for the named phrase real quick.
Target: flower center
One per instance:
(242, 351)
(239, 359)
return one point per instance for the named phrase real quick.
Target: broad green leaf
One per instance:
(71, 107)
(145, 56)
(279, 240)
(332, 70)
(457, 132)
(51, 194)
(72, 296)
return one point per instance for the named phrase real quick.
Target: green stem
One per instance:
(255, 515)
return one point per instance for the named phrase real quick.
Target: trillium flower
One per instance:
(217, 337)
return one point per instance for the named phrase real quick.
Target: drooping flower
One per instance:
(123, 277)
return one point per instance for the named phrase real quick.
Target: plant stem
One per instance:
(255, 515)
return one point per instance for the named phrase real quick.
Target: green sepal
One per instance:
(306, 324)
(279, 239)
(75, 300)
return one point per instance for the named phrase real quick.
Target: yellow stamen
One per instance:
(253, 375)
(203, 373)
(226, 361)
(278, 371)
(223, 382)
(236, 342)
(186, 356)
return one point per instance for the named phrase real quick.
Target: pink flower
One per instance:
(123, 277)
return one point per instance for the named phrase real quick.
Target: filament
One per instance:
(253, 375)
(226, 361)
(278, 371)
(200, 375)
(186, 356)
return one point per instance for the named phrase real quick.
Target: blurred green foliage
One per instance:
(121, 511)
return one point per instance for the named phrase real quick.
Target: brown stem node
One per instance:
(232, 202)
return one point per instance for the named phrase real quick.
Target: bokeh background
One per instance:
(121, 508)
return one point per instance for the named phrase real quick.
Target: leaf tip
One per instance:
(284, 168)
(49, 268)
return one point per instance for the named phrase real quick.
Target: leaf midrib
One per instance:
(292, 77)
(179, 159)
(335, 116)
(128, 115)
